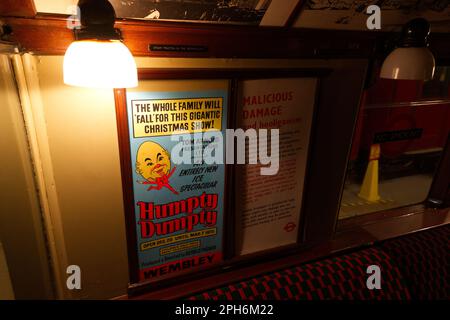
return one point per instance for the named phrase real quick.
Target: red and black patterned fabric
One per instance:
(342, 277)
(424, 260)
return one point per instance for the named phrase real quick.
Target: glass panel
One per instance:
(400, 134)
(243, 11)
(439, 87)
(217, 11)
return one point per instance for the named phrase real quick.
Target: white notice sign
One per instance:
(268, 207)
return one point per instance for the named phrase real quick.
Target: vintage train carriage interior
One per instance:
(232, 149)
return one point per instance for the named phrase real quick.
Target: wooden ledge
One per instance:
(49, 35)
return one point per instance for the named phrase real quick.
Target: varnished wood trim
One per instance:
(375, 217)
(229, 235)
(49, 35)
(127, 182)
(17, 8)
(337, 112)
(295, 13)
(236, 73)
(395, 223)
(439, 195)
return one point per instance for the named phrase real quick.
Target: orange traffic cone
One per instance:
(369, 187)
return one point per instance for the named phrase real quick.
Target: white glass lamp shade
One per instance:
(409, 64)
(100, 64)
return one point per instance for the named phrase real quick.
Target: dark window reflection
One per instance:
(399, 138)
(238, 11)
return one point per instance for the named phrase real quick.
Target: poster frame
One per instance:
(233, 76)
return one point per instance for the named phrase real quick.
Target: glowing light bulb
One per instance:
(100, 64)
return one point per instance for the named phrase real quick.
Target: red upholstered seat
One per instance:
(416, 266)
(424, 260)
(342, 277)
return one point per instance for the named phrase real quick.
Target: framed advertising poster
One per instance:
(189, 220)
(174, 200)
(269, 206)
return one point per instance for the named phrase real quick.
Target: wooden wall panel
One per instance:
(50, 35)
(17, 8)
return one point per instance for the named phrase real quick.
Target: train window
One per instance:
(401, 130)
(439, 87)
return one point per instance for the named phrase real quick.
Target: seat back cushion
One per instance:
(424, 260)
(341, 277)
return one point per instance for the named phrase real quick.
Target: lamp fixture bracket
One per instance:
(415, 33)
(97, 21)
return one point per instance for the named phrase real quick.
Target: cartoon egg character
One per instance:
(152, 161)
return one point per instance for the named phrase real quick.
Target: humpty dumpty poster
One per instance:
(179, 207)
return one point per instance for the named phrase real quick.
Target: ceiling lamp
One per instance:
(412, 60)
(98, 58)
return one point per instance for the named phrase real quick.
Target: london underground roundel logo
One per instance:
(289, 227)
